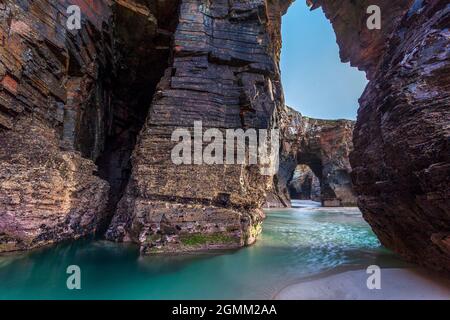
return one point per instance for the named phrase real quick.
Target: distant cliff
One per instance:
(324, 146)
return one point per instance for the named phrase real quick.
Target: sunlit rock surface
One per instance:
(324, 146)
(71, 106)
(51, 89)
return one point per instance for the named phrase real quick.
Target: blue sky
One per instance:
(315, 81)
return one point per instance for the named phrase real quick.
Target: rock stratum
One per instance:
(401, 167)
(86, 118)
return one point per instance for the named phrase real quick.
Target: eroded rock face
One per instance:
(70, 89)
(362, 47)
(401, 164)
(49, 85)
(224, 73)
(401, 138)
(324, 146)
(46, 195)
(68, 119)
(64, 107)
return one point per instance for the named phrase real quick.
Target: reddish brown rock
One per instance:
(49, 78)
(82, 97)
(401, 138)
(46, 195)
(72, 100)
(324, 146)
(401, 162)
(304, 184)
(224, 73)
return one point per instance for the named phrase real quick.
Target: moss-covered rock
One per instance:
(198, 239)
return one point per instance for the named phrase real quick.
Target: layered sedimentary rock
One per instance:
(224, 74)
(401, 162)
(71, 105)
(46, 195)
(401, 139)
(49, 84)
(324, 146)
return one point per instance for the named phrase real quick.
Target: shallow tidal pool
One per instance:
(296, 243)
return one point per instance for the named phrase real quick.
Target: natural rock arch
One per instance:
(324, 146)
(304, 185)
(223, 69)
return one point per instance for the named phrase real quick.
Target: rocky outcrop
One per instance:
(50, 84)
(401, 162)
(71, 105)
(401, 138)
(324, 146)
(85, 94)
(223, 73)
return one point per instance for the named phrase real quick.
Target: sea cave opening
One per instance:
(142, 58)
(304, 185)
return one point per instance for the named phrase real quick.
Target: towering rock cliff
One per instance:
(401, 163)
(224, 73)
(70, 100)
(75, 104)
(52, 82)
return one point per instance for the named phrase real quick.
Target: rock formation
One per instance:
(51, 84)
(75, 104)
(401, 162)
(72, 104)
(70, 100)
(304, 184)
(324, 146)
(223, 73)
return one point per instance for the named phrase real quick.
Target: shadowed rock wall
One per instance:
(401, 166)
(400, 162)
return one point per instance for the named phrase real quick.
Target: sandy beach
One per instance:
(397, 284)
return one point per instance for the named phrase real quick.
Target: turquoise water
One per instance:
(295, 243)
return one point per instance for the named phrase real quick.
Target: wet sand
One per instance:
(396, 284)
